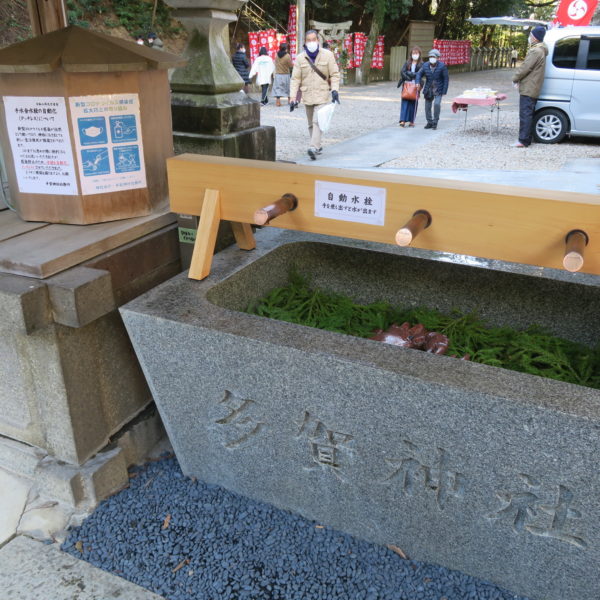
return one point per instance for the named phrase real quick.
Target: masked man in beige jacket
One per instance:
(316, 75)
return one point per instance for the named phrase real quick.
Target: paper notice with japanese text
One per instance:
(38, 131)
(357, 203)
(108, 139)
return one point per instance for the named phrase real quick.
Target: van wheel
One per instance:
(550, 126)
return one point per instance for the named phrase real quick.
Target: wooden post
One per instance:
(575, 243)
(243, 235)
(206, 237)
(46, 15)
(300, 24)
(419, 221)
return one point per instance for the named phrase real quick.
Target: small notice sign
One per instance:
(41, 145)
(108, 142)
(357, 203)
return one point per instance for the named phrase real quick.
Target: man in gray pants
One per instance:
(436, 86)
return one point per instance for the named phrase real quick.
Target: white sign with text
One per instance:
(346, 202)
(108, 140)
(41, 145)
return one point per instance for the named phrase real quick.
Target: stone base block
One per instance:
(257, 143)
(488, 471)
(214, 115)
(47, 494)
(70, 378)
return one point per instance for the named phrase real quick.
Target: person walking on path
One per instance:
(514, 54)
(412, 66)
(263, 68)
(436, 74)
(529, 78)
(283, 68)
(316, 74)
(241, 65)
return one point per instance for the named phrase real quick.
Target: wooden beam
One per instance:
(475, 219)
(47, 15)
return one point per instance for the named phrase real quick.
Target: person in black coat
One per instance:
(241, 65)
(436, 86)
(411, 67)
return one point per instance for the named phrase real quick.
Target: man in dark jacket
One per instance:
(436, 86)
(529, 78)
(241, 65)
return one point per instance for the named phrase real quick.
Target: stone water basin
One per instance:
(489, 471)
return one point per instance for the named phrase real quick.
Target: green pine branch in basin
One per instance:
(532, 350)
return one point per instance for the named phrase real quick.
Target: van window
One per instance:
(593, 61)
(565, 53)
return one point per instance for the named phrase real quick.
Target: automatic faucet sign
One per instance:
(576, 12)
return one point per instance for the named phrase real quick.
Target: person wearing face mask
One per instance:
(529, 78)
(436, 74)
(317, 76)
(241, 65)
(411, 67)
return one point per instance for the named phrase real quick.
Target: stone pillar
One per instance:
(211, 114)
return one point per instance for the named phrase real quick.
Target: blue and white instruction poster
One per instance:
(38, 131)
(108, 141)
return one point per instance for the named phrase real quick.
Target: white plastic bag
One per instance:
(324, 115)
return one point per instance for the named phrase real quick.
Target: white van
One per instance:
(569, 102)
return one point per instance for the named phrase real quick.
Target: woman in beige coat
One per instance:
(316, 75)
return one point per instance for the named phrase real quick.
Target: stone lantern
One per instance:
(211, 114)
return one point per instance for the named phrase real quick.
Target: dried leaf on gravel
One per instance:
(185, 561)
(79, 546)
(398, 551)
(166, 521)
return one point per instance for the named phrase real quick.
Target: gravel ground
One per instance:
(187, 540)
(367, 108)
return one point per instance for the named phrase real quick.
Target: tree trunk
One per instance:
(362, 73)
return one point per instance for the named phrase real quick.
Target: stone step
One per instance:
(30, 570)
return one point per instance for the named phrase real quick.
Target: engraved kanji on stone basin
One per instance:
(481, 469)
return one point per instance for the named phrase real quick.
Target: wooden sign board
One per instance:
(483, 220)
(85, 126)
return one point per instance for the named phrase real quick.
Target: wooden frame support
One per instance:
(206, 238)
(498, 222)
(244, 238)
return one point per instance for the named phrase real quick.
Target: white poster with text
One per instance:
(38, 131)
(108, 139)
(345, 202)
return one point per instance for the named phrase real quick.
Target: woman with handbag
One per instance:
(410, 90)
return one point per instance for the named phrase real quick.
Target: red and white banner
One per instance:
(454, 52)
(349, 48)
(268, 38)
(575, 12)
(377, 60)
(291, 31)
(360, 41)
(355, 44)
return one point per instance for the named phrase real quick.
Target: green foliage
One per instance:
(532, 351)
(134, 15)
(76, 15)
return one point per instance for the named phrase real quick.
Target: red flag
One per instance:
(576, 12)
